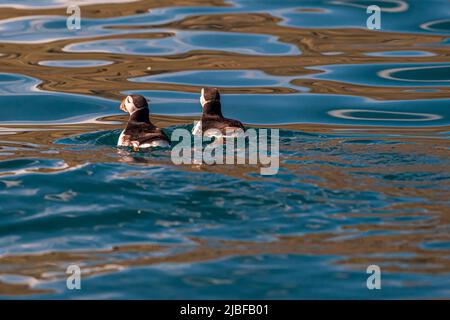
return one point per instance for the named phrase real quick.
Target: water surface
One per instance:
(364, 126)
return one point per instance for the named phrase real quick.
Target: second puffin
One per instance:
(140, 133)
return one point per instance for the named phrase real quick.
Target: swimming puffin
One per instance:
(212, 117)
(140, 133)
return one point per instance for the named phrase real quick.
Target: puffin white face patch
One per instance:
(202, 98)
(129, 104)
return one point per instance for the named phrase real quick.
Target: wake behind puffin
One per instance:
(140, 133)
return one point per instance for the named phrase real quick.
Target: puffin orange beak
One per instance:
(122, 106)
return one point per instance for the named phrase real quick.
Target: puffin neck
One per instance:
(212, 108)
(140, 115)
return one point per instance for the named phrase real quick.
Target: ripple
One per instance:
(23, 166)
(31, 105)
(380, 115)
(41, 29)
(392, 6)
(410, 74)
(241, 43)
(11, 84)
(401, 16)
(219, 78)
(332, 53)
(99, 138)
(39, 4)
(74, 63)
(437, 26)
(418, 74)
(54, 109)
(64, 196)
(44, 29)
(422, 90)
(400, 54)
(186, 41)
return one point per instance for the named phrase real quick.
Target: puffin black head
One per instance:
(210, 101)
(137, 107)
(133, 103)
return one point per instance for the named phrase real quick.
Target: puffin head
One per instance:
(133, 103)
(210, 100)
(209, 95)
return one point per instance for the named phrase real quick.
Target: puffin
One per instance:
(140, 133)
(212, 117)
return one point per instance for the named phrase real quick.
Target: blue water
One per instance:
(364, 176)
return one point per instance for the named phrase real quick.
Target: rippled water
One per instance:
(364, 123)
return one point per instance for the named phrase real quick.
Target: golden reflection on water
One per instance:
(108, 81)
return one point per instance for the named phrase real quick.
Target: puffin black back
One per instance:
(212, 117)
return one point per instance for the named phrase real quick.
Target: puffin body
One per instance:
(212, 117)
(140, 133)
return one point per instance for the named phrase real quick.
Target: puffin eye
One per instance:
(129, 99)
